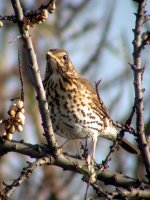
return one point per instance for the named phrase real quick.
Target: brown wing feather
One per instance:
(99, 105)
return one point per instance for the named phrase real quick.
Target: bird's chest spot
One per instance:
(71, 113)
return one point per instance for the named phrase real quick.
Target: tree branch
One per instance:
(137, 70)
(70, 163)
(33, 66)
(9, 189)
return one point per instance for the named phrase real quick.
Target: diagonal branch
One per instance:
(33, 66)
(9, 189)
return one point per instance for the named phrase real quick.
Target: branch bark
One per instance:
(70, 163)
(137, 70)
(33, 66)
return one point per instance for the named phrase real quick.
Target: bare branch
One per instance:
(133, 193)
(9, 189)
(138, 74)
(70, 163)
(33, 66)
(21, 77)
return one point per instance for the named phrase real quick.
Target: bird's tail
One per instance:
(110, 132)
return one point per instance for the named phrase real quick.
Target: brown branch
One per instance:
(129, 120)
(33, 151)
(69, 163)
(10, 18)
(32, 13)
(100, 192)
(33, 66)
(21, 78)
(133, 193)
(137, 70)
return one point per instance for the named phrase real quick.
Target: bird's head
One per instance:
(58, 63)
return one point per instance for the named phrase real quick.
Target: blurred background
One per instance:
(98, 37)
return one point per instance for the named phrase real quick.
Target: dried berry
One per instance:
(22, 110)
(1, 24)
(22, 122)
(9, 136)
(20, 104)
(44, 14)
(12, 129)
(20, 116)
(13, 107)
(19, 128)
(52, 7)
(12, 113)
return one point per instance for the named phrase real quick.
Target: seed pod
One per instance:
(16, 124)
(12, 113)
(19, 128)
(43, 20)
(144, 35)
(12, 129)
(13, 107)
(20, 104)
(20, 116)
(1, 24)
(22, 110)
(52, 7)
(22, 122)
(39, 22)
(4, 133)
(26, 27)
(44, 14)
(9, 136)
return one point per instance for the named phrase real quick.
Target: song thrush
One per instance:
(75, 110)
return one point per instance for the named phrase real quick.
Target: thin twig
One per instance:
(129, 120)
(9, 189)
(11, 18)
(21, 77)
(108, 157)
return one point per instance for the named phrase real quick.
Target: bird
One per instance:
(76, 111)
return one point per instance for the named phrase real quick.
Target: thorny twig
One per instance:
(99, 191)
(138, 75)
(129, 120)
(10, 18)
(104, 164)
(29, 14)
(9, 189)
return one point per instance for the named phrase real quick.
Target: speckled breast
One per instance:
(71, 112)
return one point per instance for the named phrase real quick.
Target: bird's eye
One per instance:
(65, 57)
